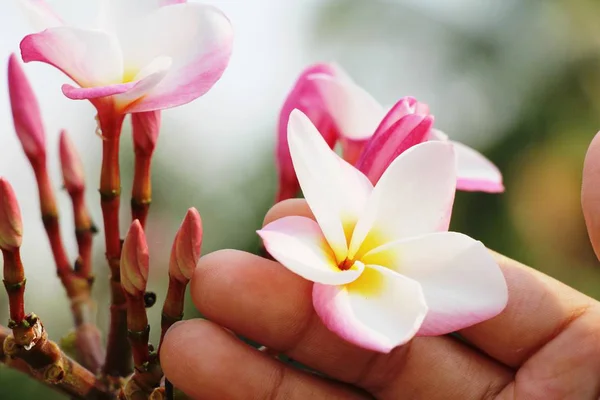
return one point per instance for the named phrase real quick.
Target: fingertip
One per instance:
(590, 193)
(286, 208)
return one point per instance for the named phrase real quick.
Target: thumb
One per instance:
(590, 193)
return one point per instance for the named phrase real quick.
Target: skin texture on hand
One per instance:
(545, 345)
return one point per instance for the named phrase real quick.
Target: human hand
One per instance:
(544, 345)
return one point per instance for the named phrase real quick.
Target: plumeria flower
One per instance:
(383, 264)
(372, 135)
(144, 55)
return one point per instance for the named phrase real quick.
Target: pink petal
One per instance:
(91, 58)
(76, 93)
(475, 172)
(462, 283)
(305, 98)
(403, 107)
(26, 112)
(413, 197)
(385, 146)
(11, 224)
(145, 130)
(299, 245)
(40, 14)
(197, 38)
(163, 3)
(378, 311)
(354, 111)
(335, 191)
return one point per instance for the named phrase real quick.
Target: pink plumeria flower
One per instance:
(383, 264)
(146, 55)
(361, 120)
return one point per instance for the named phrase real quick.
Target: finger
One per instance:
(590, 193)
(273, 306)
(539, 307)
(206, 362)
(286, 208)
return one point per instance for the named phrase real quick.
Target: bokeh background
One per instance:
(519, 81)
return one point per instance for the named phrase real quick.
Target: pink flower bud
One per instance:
(134, 260)
(26, 112)
(70, 162)
(186, 249)
(11, 226)
(408, 123)
(305, 97)
(146, 126)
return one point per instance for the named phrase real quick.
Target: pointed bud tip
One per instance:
(25, 110)
(11, 225)
(71, 165)
(187, 246)
(135, 260)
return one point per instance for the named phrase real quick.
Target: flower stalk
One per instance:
(118, 352)
(146, 126)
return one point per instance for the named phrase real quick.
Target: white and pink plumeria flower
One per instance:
(144, 55)
(371, 135)
(383, 264)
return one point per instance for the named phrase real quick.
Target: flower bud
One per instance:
(146, 126)
(135, 261)
(408, 123)
(71, 165)
(187, 246)
(11, 226)
(26, 112)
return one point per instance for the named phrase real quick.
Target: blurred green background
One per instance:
(518, 80)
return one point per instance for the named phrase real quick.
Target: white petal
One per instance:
(355, 112)
(475, 172)
(462, 283)
(116, 15)
(335, 191)
(413, 197)
(299, 245)
(378, 311)
(197, 38)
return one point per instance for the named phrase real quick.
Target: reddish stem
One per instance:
(14, 282)
(118, 354)
(84, 232)
(141, 194)
(173, 307)
(138, 329)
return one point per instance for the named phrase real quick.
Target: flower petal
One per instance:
(354, 111)
(378, 311)
(40, 15)
(305, 98)
(299, 244)
(475, 172)
(76, 93)
(90, 58)
(335, 191)
(198, 38)
(413, 197)
(385, 146)
(462, 283)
